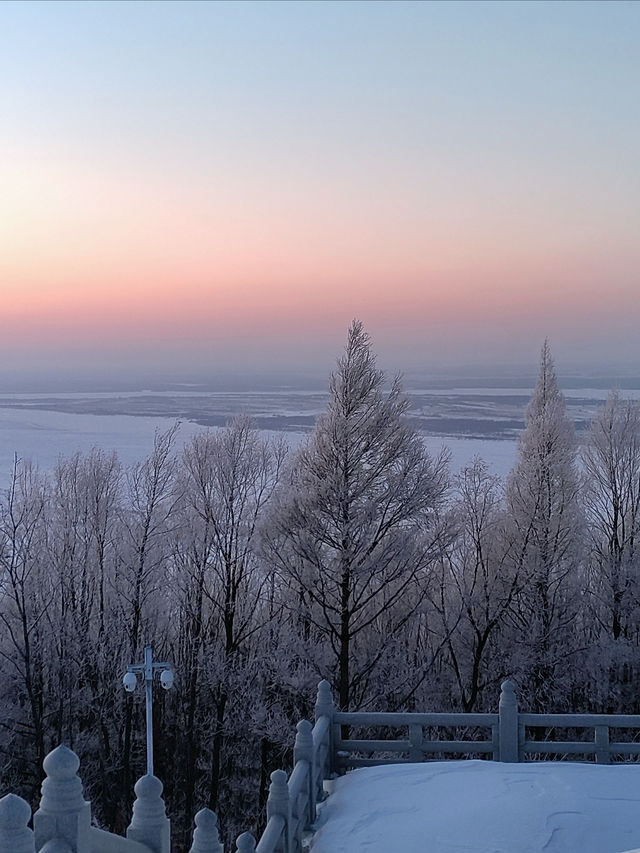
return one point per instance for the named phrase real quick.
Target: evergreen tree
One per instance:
(543, 532)
(352, 533)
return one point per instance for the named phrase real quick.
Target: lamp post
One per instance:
(130, 680)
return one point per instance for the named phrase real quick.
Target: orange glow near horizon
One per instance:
(166, 307)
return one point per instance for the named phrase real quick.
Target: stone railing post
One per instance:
(508, 723)
(15, 835)
(303, 751)
(149, 823)
(64, 815)
(205, 836)
(324, 707)
(245, 843)
(278, 804)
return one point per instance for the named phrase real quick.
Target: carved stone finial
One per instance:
(149, 823)
(245, 843)
(278, 799)
(303, 747)
(15, 835)
(62, 789)
(64, 815)
(61, 763)
(324, 700)
(148, 790)
(508, 693)
(205, 836)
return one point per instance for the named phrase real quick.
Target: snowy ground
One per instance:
(483, 807)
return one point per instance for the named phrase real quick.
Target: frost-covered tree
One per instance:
(611, 460)
(544, 533)
(227, 479)
(85, 653)
(25, 592)
(352, 534)
(140, 576)
(477, 588)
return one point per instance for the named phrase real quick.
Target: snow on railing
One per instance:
(62, 824)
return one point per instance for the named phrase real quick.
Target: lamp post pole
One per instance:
(148, 667)
(148, 683)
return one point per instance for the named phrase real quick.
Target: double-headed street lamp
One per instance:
(130, 680)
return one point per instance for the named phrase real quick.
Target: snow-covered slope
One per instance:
(483, 807)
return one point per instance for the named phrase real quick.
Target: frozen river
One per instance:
(471, 422)
(43, 436)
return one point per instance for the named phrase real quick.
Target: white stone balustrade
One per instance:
(62, 824)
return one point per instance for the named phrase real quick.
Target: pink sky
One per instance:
(179, 207)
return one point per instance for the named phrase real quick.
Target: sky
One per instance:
(194, 186)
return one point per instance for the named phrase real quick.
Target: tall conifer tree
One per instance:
(543, 512)
(352, 531)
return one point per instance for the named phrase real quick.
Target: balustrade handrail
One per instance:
(395, 718)
(577, 721)
(329, 748)
(107, 842)
(291, 805)
(320, 751)
(272, 836)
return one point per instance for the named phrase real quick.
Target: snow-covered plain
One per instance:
(483, 807)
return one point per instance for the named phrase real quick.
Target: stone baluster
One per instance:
(324, 707)
(64, 815)
(324, 701)
(149, 823)
(303, 751)
(508, 723)
(15, 835)
(205, 836)
(245, 843)
(278, 804)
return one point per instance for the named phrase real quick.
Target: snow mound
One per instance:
(483, 807)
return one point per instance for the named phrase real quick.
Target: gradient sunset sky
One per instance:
(186, 186)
